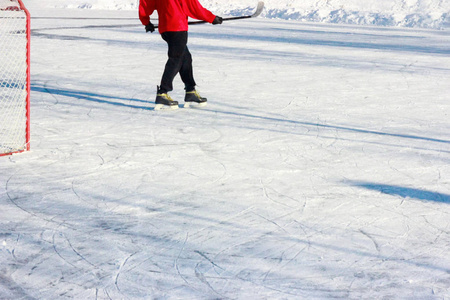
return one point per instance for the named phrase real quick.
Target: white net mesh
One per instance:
(13, 77)
(9, 3)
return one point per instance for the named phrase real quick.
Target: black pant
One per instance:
(180, 61)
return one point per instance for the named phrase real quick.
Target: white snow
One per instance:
(319, 169)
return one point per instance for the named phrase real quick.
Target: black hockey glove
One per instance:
(217, 20)
(150, 27)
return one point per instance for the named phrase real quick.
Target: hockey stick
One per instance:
(258, 11)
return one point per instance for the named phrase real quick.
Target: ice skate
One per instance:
(193, 97)
(164, 101)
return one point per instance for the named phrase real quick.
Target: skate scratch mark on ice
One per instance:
(202, 277)
(13, 201)
(372, 239)
(271, 221)
(107, 294)
(101, 157)
(226, 220)
(208, 259)
(203, 148)
(79, 197)
(267, 286)
(441, 230)
(120, 270)
(390, 164)
(59, 254)
(223, 174)
(380, 257)
(284, 263)
(178, 257)
(77, 253)
(46, 89)
(14, 249)
(266, 194)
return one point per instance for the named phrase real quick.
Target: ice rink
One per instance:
(319, 169)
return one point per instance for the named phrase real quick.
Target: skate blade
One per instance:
(194, 104)
(165, 107)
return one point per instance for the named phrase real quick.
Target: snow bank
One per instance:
(408, 13)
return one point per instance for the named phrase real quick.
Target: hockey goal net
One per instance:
(14, 77)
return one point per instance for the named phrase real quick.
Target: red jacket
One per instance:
(173, 14)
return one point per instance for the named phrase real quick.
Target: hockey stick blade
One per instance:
(258, 11)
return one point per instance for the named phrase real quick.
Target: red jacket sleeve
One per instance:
(195, 10)
(146, 8)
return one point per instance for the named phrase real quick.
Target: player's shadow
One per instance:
(94, 97)
(332, 38)
(403, 192)
(281, 120)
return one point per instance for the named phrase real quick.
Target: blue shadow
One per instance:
(334, 40)
(404, 192)
(318, 125)
(94, 97)
(127, 102)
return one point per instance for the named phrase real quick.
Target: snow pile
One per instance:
(417, 13)
(408, 13)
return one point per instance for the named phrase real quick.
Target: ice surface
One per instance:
(319, 169)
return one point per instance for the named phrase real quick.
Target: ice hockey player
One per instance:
(173, 27)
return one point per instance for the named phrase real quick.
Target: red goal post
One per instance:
(14, 77)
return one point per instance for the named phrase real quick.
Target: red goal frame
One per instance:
(28, 84)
